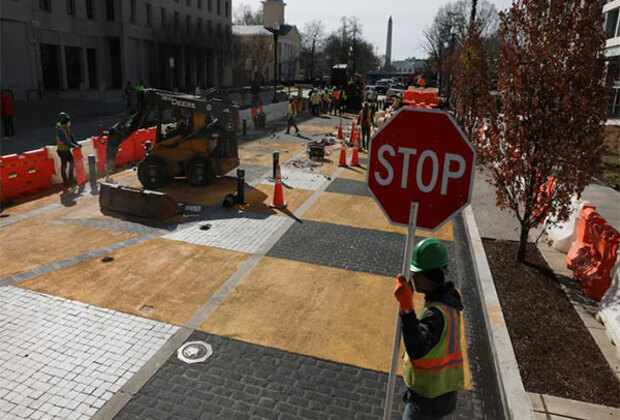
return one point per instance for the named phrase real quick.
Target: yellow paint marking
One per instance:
(339, 315)
(466, 369)
(362, 212)
(172, 278)
(496, 316)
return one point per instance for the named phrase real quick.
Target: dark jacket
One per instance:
(421, 335)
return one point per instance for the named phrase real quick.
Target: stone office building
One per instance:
(57, 45)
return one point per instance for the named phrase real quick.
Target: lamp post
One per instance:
(275, 29)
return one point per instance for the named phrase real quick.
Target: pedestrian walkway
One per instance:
(297, 304)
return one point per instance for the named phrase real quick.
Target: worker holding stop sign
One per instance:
(420, 172)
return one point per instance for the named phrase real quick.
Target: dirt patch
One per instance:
(555, 352)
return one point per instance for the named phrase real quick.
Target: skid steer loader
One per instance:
(196, 136)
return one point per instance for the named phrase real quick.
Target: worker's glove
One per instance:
(404, 294)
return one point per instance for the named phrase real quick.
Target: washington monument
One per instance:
(388, 49)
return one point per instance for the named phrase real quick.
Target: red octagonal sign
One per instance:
(421, 156)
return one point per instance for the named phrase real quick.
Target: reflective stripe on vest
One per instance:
(441, 369)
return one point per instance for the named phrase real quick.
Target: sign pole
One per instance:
(389, 396)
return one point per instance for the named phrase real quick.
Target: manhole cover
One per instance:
(194, 352)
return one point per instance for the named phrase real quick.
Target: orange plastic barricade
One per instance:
(100, 150)
(38, 171)
(80, 173)
(11, 176)
(594, 253)
(140, 138)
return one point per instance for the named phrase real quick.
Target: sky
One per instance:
(409, 17)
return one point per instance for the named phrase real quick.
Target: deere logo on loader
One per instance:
(177, 102)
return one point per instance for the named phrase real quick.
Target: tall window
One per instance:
(188, 23)
(209, 28)
(227, 9)
(200, 4)
(176, 21)
(189, 3)
(132, 11)
(71, 7)
(109, 10)
(199, 26)
(162, 13)
(219, 7)
(149, 21)
(210, 5)
(45, 5)
(89, 9)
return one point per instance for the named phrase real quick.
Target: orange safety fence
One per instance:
(594, 253)
(26, 173)
(129, 151)
(422, 98)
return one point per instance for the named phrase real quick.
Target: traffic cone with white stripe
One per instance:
(355, 156)
(278, 195)
(340, 135)
(343, 155)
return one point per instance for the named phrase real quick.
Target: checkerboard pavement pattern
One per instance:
(64, 359)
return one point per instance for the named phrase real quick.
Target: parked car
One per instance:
(392, 92)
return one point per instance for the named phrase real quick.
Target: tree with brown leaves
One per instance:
(545, 145)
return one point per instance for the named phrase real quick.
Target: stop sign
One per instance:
(421, 155)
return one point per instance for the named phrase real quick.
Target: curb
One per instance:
(515, 401)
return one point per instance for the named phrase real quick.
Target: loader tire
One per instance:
(152, 172)
(198, 171)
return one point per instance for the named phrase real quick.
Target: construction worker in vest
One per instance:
(316, 102)
(365, 120)
(65, 141)
(343, 101)
(290, 116)
(433, 361)
(421, 82)
(335, 101)
(326, 101)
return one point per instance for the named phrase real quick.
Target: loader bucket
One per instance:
(136, 202)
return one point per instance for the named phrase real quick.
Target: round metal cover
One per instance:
(194, 352)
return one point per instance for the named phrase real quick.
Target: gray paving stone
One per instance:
(340, 246)
(349, 186)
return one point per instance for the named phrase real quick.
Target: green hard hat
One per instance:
(428, 254)
(63, 117)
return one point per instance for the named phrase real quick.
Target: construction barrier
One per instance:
(129, 151)
(80, 173)
(25, 174)
(594, 253)
(562, 234)
(423, 98)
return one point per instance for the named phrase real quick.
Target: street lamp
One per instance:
(276, 30)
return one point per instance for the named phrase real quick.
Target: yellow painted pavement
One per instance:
(362, 212)
(158, 279)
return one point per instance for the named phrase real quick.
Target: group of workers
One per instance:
(328, 101)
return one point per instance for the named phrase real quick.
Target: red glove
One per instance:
(404, 294)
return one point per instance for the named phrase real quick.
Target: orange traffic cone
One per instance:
(278, 195)
(355, 157)
(340, 136)
(354, 136)
(343, 155)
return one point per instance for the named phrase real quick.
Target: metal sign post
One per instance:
(389, 396)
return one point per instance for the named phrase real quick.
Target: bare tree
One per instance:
(244, 15)
(313, 43)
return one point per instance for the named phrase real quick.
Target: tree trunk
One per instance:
(525, 231)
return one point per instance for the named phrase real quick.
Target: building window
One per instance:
(227, 9)
(219, 7)
(132, 11)
(218, 30)
(188, 23)
(162, 13)
(199, 26)
(611, 24)
(209, 28)
(189, 3)
(45, 5)
(200, 4)
(109, 9)
(89, 10)
(71, 7)
(176, 21)
(149, 21)
(209, 6)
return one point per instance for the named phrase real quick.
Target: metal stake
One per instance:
(389, 396)
(276, 160)
(92, 172)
